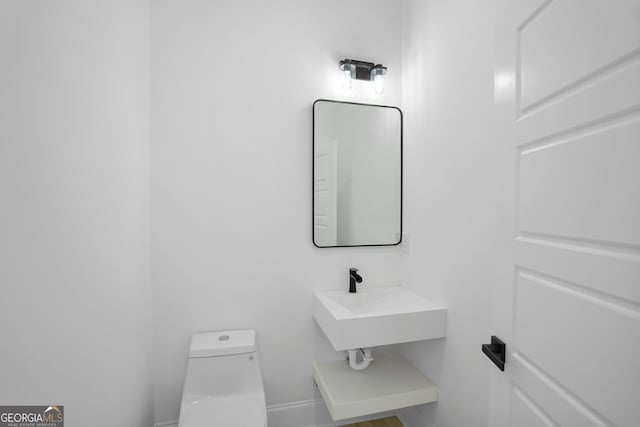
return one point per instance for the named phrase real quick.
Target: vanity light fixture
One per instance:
(362, 70)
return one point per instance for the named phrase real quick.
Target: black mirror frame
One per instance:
(313, 172)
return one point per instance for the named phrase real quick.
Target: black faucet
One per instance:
(354, 278)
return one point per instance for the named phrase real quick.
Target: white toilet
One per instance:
(223, 384)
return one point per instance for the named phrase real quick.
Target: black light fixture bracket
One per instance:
(363, 68)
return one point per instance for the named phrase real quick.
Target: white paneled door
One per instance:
(325, 193)
(567, 90)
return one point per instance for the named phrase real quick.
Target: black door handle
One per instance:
(496, 351)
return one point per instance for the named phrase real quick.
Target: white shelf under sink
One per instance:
(389, 383)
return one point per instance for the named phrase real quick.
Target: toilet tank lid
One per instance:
(223, 343)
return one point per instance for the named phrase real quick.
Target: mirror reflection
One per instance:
(357, 174)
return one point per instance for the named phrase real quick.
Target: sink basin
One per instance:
(377, 316)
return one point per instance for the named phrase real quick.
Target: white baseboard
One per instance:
(411, 417)
(302, 414)
(313, 413)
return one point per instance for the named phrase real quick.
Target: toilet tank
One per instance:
(223, 384)
(222, 343)
(223, 363)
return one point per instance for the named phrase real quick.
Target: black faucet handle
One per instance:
(353, 273)
(354, 278)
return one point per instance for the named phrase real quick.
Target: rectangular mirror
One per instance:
(357, 174)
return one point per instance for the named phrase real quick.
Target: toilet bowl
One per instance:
(223, 385)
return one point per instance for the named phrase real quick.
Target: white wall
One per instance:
(75, 316)
(456, 184)
(232, 88)
(233, 85)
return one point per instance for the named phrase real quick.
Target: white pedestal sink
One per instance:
(377, 316)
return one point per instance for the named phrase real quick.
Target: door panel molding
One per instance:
(529, 413)
(611, 271)
(563, 406)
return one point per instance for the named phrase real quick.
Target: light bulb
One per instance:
(378, 84)
(346, 80)
(347, 71)
(377, 77)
